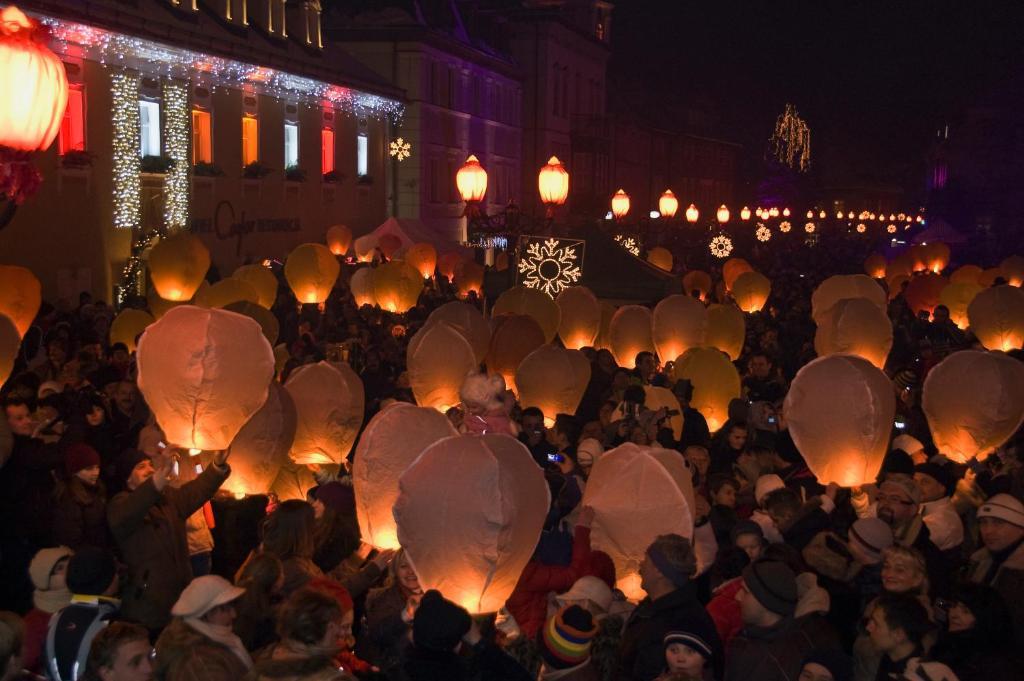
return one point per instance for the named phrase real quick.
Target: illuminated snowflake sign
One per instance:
(721, 246)
(550, 265)
(629, 243)
(400, 149)
(763, 233)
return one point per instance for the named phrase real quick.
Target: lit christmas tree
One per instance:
(791, 141)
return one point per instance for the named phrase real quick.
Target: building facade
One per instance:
(229, 118)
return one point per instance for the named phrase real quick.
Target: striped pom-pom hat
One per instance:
(565, 639)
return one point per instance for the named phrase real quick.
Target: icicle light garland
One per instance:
(157, 59)
(124, 112)
(177, 133)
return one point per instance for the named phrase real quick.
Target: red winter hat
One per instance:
(333, 589)
(79, 457)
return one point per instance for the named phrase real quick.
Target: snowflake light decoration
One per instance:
(784, 226)
(721, 246)
(628, 243)
(809, 228)
(400, 149)
(891, 229)
(861, 228)
(551, 265)
(763, 233)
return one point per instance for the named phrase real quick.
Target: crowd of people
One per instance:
(110, 568)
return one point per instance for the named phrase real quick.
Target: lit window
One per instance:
(149, 125)
(291, 145)
(327, 150)
(72, 128)
(202, 140)
(362, 155)
(250, 140)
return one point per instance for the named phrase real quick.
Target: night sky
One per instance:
(873, 79)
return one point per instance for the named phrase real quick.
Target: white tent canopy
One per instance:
(409, 231)
(941, 231)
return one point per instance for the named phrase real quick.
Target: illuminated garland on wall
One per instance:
(124, 112)
(177, 133)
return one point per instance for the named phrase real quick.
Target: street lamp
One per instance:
(692, 214)
(620, 204)
(745, 213)
(785, 212)
(668, 204)
(723, 214)
(471, 181)
(553, 184)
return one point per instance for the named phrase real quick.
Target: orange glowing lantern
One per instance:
(262, 280)
(10, 342)
(692, 214)
(840, 412)
(901, 264)
(553, 183)
(177, 265)
(699, 281)
(660, 257)
(957, 297)
(34, 83)
(580, 318)
(656, 397)
(397, 286)
(260, 449)
(339, 238)
(329, 403)
(841, 286)
(204, 373)
(745, 214)
(810, 214)
(532, 302)
(471, 180)
(936, 256)
(456, 537)
(438, 359)
(678, 323)
(896, 284)
(875, 266)
(158, 307)
(607, 312)
(750, 290)
(553, 379)
(620, 204)
(423, 257)
(988, 277)
(668, 204)
(855, 326)
(447, 264)
(20, 296)
(727, 330)
(1013, 270)
(996, 317)
(917, 255)
(225, 292)
(128, 325)
(722, 214)
(311, 271)
(468, 321)
(732, 269)
(391, 441)
(923, 292)
(514, 337)
(774, 212)
(362, 287)
(469, 278)
(389, 244)
(966, 274)
(715, 383)
(265, 318)
(630, 334)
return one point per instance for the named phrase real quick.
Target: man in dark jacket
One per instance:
(671, 605)
(148, 524)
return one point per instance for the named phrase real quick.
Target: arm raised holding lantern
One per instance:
(191, 496)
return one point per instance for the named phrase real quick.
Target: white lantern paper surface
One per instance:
(532, 302)
(841, 286)
(678, 323)
(629, 334)
(855, 326)
(329, 401)
(261, 448)
(553, 379)
(468, 321)
(438, 359)
(580, 320)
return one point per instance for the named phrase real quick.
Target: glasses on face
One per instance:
(890, 499)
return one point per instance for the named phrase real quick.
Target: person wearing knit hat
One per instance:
(48, 571)
(564, 643)
(749, 536)
(896, 461)
(868, 538)
(765, 485)
(588, 452)
(688, 652)
(911, 445)
(937, 483)
(336, 496)
(439, 624)
(999, 563)
(590, 593)
(80, 457)
(770, 594)
(80, 512)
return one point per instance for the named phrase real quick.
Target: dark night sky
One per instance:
(872, 79)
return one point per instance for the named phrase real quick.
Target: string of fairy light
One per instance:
(124, 111)
(177, 133)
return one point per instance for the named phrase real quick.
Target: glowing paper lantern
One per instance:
(901, 264)
(127, 326)
(966, 274)
(692, 214)
(840, 412)
(469, 277)
(532, 302)
(974, 402)
(678, 323)
(745, 213)
(722, 215)
(630, 333)
(957, 297)
(660, 257)
(514, 337)
(875, 266)
(329, 403)
(936, 257)
(579, 318)
(438, 359)
(397, 286)
(158, 307)
(620, 204)
(1013, 269)
(637, 493)
(10, 342)
(20, 296)
(447, 263)
(34, 83)
(261, 448)
(391, 441)
(265, 318)
(389, 245)
(855, 326)
(918, 254)
(468, 321)
(923, 292)
(696, 280)
(262, 280)
(553, 379)
(177, 265)
(750, 290)
(715, 383)
(656, 398)
(668, 204)
(311, 271)
(471, 180)
(896, 283)
(841, 286)
(204, 373)
(362, 287)
(281, 356)
(423, 257)
(732, 269)
(553, 183)
(603, 336)
(727, 330)
(469, 514)
(988, 277)
(996, 317)
(339, 238)
(225, 292)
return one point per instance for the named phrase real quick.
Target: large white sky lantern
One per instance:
(468, 321)
(580, 319)
(204, 373)
(469, 514)
(841, 286)
(678, 323)
(855, 326)
(261, 448)
(974, 402)
(553, 379)
(391, 441)
(329, 402)
(629, 334)
(840, 412)
(637, 494)
(438, 359)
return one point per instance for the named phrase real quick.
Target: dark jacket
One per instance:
(642, 649)
(973, 659)
(281, 663)
(483, 662)
(149, 528)
(183, 654)
(1008, 580)
(777, 653)
(80, 517)
(384, 633)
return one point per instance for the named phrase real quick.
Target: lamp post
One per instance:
(668, 204)
(620, 204)
(722, 215)
(553, 185)
(692, 214)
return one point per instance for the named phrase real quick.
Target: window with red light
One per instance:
(72, 128)
(327, 150)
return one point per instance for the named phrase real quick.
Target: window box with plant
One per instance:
(365, 179)
(204, 169)
(294, 174)
(255, 171)
(334, 177)
(157, 165)
(77, 159)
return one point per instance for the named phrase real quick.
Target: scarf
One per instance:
(51, 600)
(223, 635)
